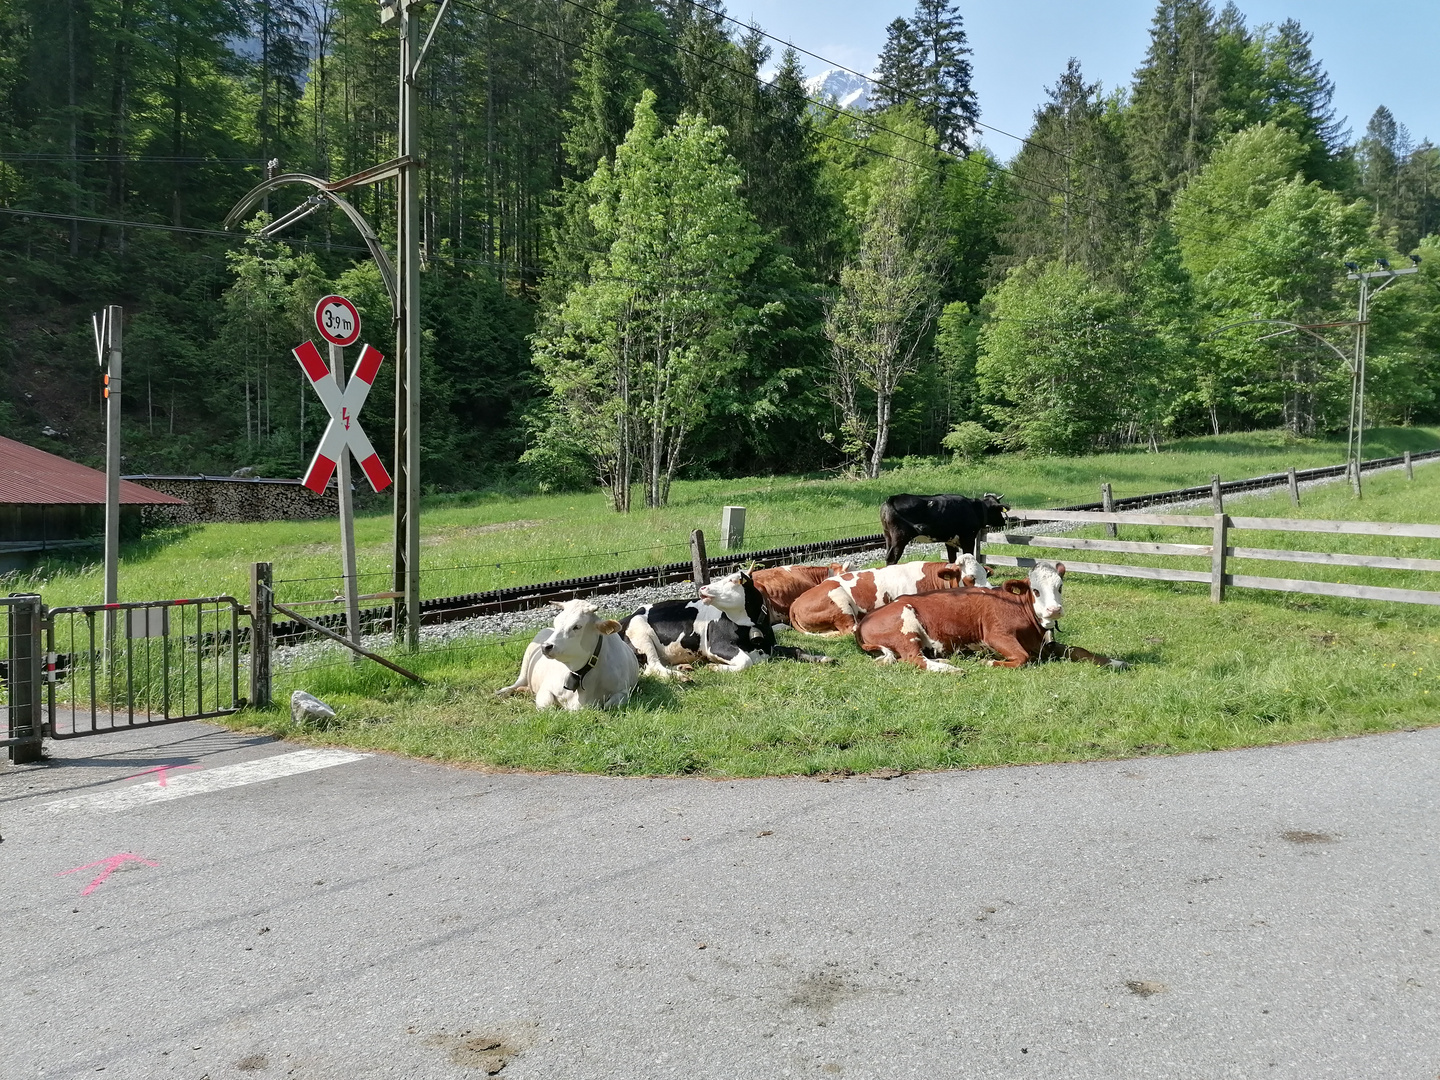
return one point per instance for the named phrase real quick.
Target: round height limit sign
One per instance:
(337, 320)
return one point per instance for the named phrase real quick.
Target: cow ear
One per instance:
(1060, 568)
(950, 573)
(555, 603)
(1016, 586)
(609, 626)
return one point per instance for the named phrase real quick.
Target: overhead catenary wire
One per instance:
(819, 103)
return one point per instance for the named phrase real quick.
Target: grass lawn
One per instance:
(1261, 668)
(485, 541)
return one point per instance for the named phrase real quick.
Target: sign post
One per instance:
(339, 324)
(108, 337)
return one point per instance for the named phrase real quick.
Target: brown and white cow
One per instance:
(835, 606)
(781, 585)
(1013, 620)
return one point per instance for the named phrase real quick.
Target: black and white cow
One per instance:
(957, 521)
(729, 625)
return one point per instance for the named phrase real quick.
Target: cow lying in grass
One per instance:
(781, 585)
(729, 625)
(834, 607)
(580, 662)
(1015, 620)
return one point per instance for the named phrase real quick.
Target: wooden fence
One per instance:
(1219, 550)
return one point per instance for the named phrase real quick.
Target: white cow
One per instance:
(579, 663)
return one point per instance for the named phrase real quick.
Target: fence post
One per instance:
(1294, 487)
(700, 566)
(261, 616)
(27, 648)
(1107, 503)
(1217, 558)
(732, 527)
(1216, 498)
(1409, 467)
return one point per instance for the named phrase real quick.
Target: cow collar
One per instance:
(577, 678)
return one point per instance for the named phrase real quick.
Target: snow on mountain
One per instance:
(848, 90)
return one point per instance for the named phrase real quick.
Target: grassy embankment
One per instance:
(480, 541)
(1261, 668)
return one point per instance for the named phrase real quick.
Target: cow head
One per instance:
(736, 595)
(1046, 581)
(974, 573)
(969, 571)
(995, 510)
(575, 631)
(1042, 590)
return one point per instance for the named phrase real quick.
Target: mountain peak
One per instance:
(848, 90)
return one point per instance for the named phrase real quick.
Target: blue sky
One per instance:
(1385, 54)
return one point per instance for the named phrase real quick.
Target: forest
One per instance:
(652, 252)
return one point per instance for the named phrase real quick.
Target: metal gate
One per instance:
(115, 666)
(21, 718)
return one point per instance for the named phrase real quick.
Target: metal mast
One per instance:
(407, 335)
(1353, 455)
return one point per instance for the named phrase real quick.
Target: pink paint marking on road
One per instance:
(162, 769)
(113, 863)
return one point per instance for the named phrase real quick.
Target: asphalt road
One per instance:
(1268, 913)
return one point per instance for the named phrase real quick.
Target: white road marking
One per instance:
(183, 785)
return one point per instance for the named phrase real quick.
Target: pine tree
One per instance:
(1072, 179)
(1176, 94)
(951, 107)
(900, 75)
(924, 62)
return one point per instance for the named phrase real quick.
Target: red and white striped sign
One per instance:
(344, 408)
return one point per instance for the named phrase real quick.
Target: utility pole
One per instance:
(1353, 454)
(108, 340)
(407, 328)
(402, 282)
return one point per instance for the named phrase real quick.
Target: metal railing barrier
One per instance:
(114, 666)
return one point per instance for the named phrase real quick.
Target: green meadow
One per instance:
(479, 541)
(1261, 668)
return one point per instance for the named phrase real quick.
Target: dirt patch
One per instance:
(821, 991)
(1145, 988)
(488, 1053)
(445, 533)
(253, 1063)
(1299, 836)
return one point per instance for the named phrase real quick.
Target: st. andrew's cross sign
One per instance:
(344, 408)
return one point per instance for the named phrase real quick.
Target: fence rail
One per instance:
(522, 597)
(1219, 551)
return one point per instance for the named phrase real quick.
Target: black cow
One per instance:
(956, 521)
(729, 625)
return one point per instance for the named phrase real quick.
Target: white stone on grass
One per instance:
(308, 709)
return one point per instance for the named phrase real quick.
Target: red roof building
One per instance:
(49, 502)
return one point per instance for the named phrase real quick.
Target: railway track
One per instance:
(523, 597)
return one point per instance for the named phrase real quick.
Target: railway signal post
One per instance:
(339, 324)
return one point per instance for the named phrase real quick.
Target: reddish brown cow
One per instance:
(781, 585)
(1012, 620)
(835, 606)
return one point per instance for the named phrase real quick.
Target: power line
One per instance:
(988, 166)
(130, 157)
